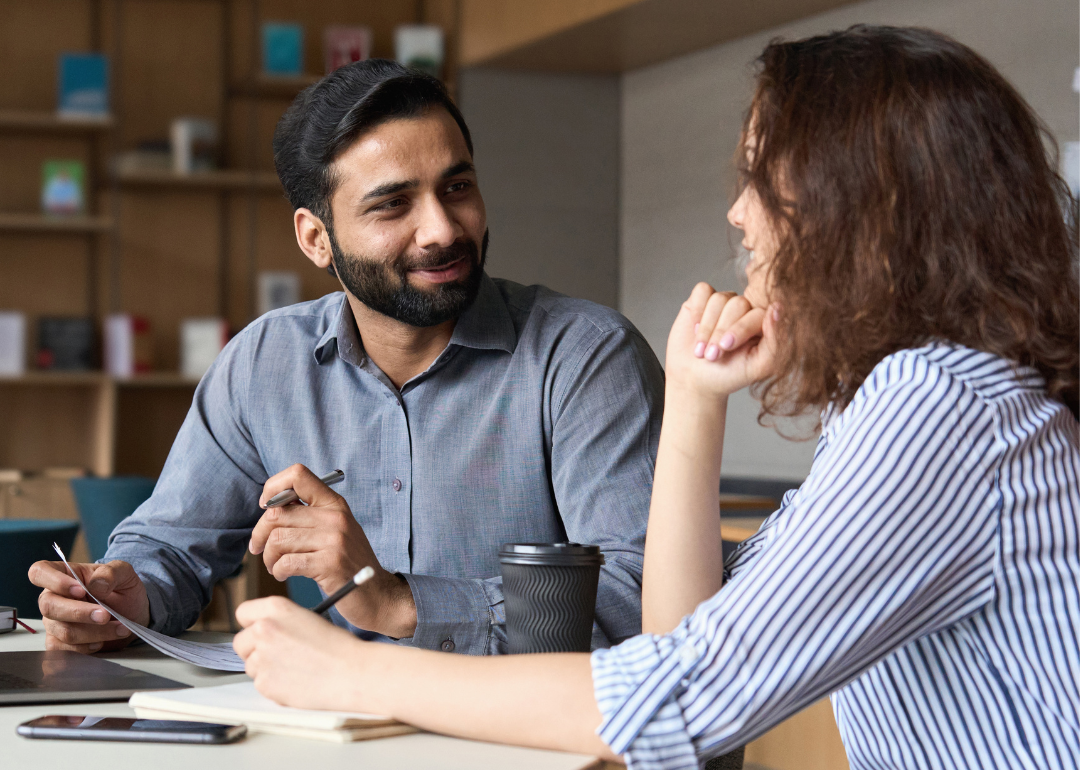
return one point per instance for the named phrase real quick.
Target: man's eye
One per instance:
(389, 205)
(458, 186)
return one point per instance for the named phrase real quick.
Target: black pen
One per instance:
(290, 496)
(360, 577)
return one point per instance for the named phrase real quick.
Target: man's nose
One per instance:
(436, 228)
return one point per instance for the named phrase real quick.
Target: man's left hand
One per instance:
(323, 541)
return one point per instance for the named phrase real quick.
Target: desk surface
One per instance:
(257, 751)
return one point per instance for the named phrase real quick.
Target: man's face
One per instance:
(409, 226)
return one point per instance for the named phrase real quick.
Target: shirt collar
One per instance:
(486, 325)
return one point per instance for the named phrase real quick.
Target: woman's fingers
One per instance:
(736, 333)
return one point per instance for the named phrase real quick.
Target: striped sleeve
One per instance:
(891, 537)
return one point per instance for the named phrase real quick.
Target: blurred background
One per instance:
(141, 222)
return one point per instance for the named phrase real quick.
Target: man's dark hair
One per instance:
(327, 117)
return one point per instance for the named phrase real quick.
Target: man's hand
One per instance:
(73, 621)
(296, 658)
(323, 541)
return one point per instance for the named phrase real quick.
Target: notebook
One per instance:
(241, 703)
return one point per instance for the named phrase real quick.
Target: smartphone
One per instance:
(82, 728)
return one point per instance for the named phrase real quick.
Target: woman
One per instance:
(914, 277)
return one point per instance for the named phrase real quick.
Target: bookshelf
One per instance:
(153, 243)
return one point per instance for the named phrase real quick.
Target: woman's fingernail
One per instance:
(776, 312)
(122, 631)
(727, 341)
(95, 646)
(712, 352)
(699, 349)
(99, 616)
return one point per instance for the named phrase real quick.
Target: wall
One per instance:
(680, 124)
(547, 157)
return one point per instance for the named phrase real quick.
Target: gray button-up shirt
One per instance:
(538, 422)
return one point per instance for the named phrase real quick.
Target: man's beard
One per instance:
(384, 287)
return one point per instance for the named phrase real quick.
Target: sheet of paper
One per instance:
(220, 656)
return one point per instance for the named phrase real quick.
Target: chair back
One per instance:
(104, 503)
(304, 591)
(23, 542)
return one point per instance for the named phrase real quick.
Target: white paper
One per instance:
(220, 656)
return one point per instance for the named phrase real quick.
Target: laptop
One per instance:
(61, 676)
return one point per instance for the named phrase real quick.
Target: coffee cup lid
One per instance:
(550, 553)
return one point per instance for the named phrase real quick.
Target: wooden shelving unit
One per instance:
(41, 223)
(35, 120)
(254, 181)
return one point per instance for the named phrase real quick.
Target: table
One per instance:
(257, 751)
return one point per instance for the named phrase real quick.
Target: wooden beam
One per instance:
(612, 37)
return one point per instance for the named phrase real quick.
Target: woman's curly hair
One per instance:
(915, 197)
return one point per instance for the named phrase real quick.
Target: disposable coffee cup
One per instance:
(549, 592)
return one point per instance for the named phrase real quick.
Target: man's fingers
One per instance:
(52, 643)
(305, 483)
(56, 607)
(53, 576)
(83, 634)
(292, 517)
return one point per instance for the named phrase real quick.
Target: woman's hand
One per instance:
(297, 658)
(720, 343)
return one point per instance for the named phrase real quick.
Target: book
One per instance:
(282, 48)
(63, 187)
(7, 619)
(277, 288)
(420, 46)
(241, 704)
(12, 343)
(127, 345)
(65, 343)
(83, 85)
(344, 45)
(201, 339)
(194, 144)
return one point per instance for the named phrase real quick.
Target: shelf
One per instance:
(274, 87)
(29, 120)
(257, 181)
(96, 378)
(40, 223)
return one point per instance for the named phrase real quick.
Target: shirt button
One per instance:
(397, 485)
(447, 645)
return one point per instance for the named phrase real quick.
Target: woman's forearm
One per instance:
(683, 562)
(544, 701)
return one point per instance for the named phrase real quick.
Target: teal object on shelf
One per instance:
(23, 542)
(282, 48)
(304, 591)
(104, 503)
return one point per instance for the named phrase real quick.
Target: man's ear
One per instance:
(312, 237)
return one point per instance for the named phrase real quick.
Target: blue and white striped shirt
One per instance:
(925, 574)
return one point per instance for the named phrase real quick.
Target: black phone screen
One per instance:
(86, 728)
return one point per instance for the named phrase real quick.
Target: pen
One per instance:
(363, 575)
(290, 496)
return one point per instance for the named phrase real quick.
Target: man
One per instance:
(465, 412)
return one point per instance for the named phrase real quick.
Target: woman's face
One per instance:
(748, 215)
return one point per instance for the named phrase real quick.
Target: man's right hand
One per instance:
(73, 621)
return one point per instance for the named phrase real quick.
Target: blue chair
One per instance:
(304, 591)
(23, 542)
(104, 503)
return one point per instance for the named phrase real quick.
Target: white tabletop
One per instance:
(255, 752)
